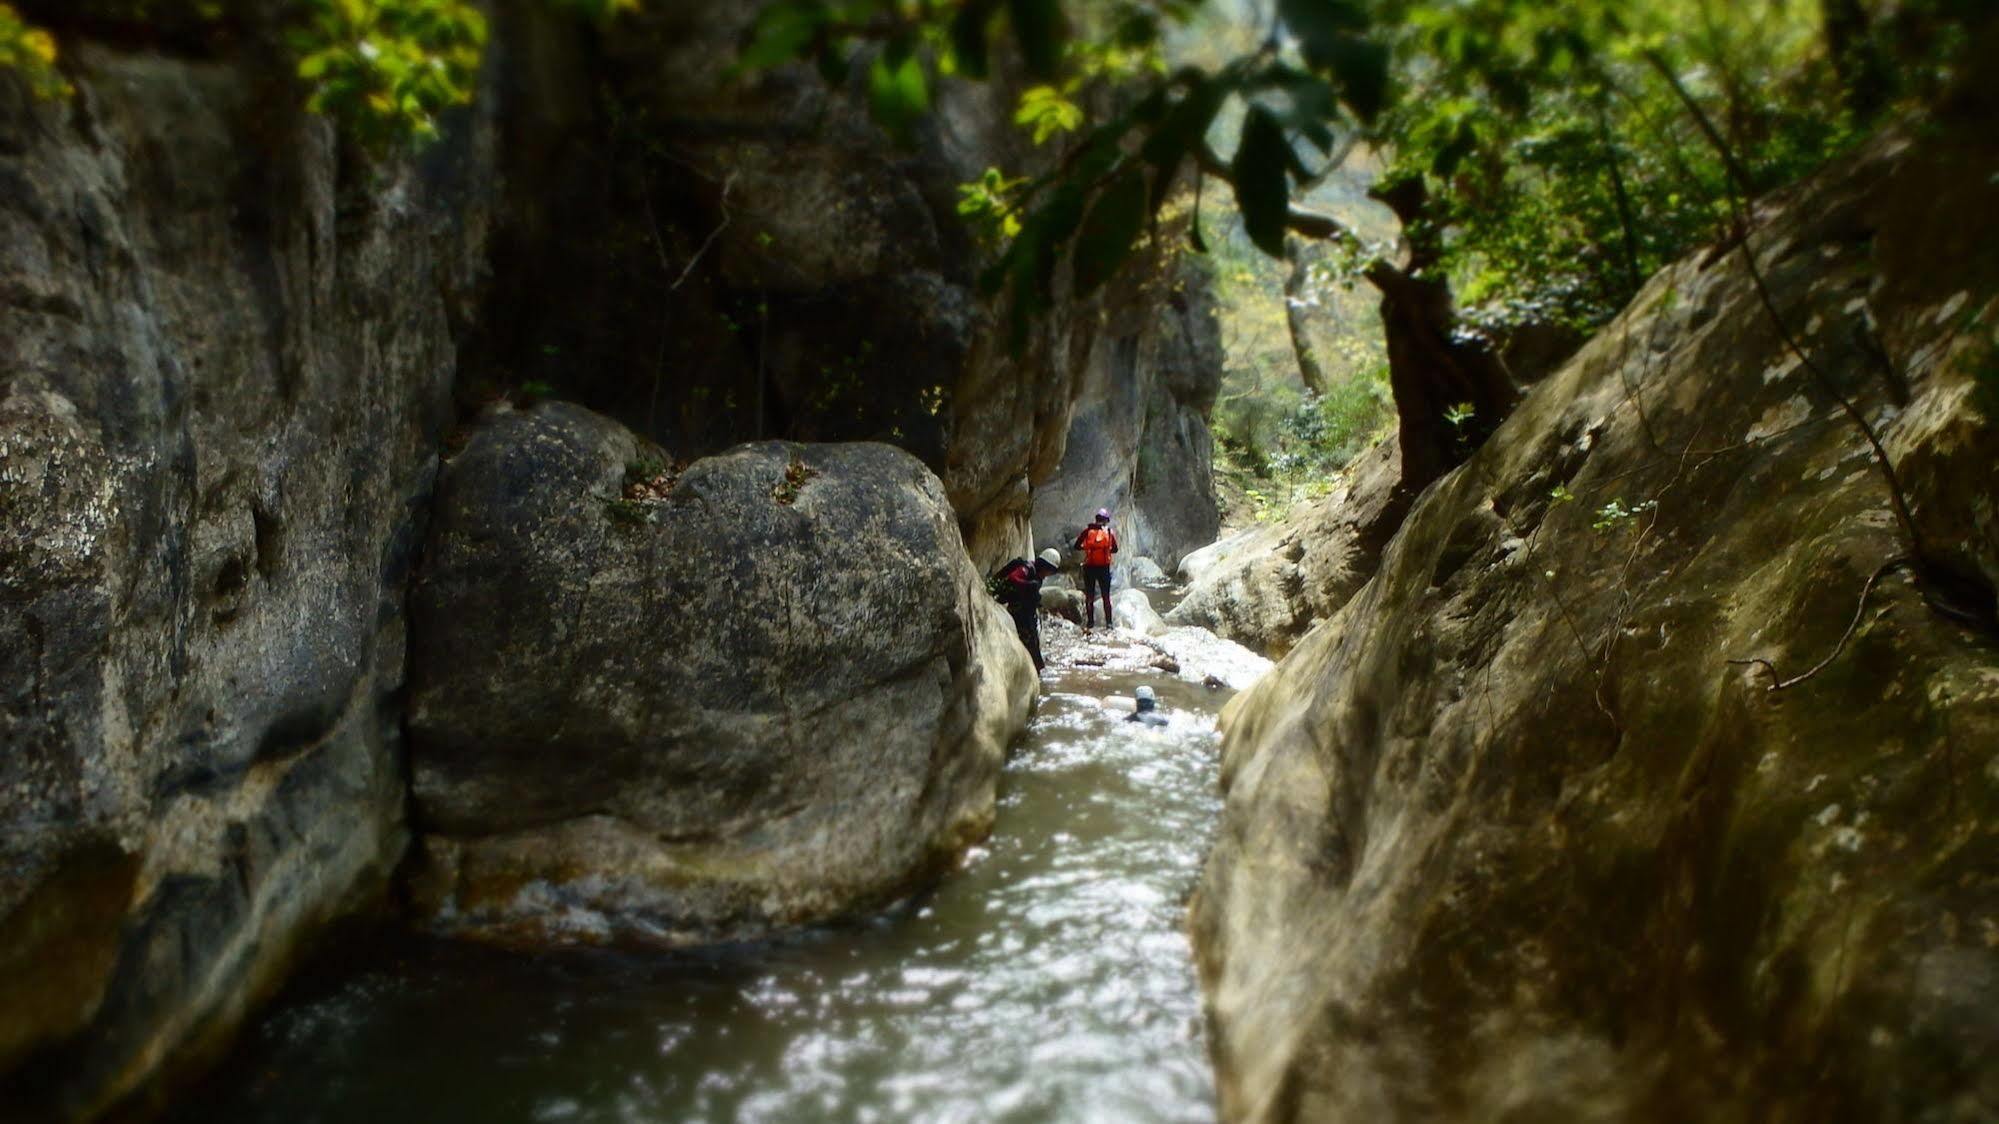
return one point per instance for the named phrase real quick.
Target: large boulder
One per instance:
(1135, 612)
(223, 376)
(657, 705)
(1144, 572)
(1266, 587)
(1643, 782)
(1063, 602)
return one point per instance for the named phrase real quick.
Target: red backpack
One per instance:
(1098, 544)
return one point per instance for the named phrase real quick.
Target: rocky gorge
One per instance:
(559, 556)
(235, 352)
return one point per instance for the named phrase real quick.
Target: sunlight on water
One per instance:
(1049, 980)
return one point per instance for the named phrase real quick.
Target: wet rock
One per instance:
(1064, 603)
(1145, 573)
(1199, 562)
(1508, 836)
(1189, 654)
(779, 694)
(1134, 612)
(222, 382)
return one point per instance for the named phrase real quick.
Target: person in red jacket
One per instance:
(1097, 542)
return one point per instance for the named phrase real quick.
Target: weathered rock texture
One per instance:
(713, 259)
(1266, 588)
(778, 694)
(223, 371)
(1510, 838)
(1138, 440)
(227, 356)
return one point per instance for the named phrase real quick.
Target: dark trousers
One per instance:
(1095, 578)
(1028, 625)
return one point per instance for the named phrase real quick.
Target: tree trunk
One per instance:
(1451, 391)
(1856, 59)
(1309, 371)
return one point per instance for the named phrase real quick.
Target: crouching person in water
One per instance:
(1020, 591)
(1148, 709)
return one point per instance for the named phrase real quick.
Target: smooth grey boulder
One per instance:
(771, 690)
(1134, 611)
(1144, 572)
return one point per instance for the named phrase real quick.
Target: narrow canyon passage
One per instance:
(1048, 980)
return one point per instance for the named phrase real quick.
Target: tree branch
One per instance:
(1779, 683)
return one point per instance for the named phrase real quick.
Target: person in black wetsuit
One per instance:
(1020, 591)
(1148, 709)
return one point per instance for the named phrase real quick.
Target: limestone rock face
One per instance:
(1510, 837)
(1138, 440)
(1267, 587)
(777, 694)
(770, 264)
(220, 387)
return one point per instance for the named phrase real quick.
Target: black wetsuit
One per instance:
(1020, 589)
(1146, 714)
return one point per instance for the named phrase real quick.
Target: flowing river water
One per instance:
(1047, 980)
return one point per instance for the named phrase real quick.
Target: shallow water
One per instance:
(1048, 980)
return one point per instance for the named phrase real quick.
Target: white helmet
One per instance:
(1053, 557)
(1145, 694)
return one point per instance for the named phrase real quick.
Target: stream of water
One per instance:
(1048, 980)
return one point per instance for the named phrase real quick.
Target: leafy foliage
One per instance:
(30, 52)
(1048, 112)
(388, 68)
(598, 11)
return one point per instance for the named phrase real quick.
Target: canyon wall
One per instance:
(1651, 777)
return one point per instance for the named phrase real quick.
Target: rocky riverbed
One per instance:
(1046, 979)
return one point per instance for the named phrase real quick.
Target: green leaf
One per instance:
(1110, 230)
(1262, 192)
(1055, 222)
(1185, 126)
(782, 31)
(897, 50)
(1360, 70)
(968, 37)
(1462, 143)
(1037, 26)
(898, 95)
(835, 62)
(1319, 24)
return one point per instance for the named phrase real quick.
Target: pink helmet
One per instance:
(1103, 515)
